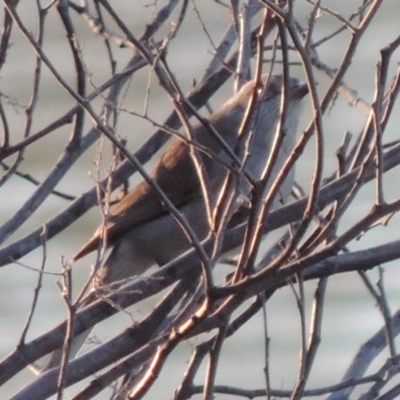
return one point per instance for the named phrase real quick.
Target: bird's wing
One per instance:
(177, 179)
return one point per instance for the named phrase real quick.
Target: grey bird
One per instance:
(140, 230)
(143, 233)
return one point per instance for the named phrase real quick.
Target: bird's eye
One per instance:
(260, 93)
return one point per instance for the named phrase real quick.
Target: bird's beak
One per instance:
(299, 91)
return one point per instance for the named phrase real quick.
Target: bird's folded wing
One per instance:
(180, 184)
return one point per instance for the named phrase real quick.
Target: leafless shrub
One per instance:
(112, 80)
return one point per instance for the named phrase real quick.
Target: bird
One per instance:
(141, 231)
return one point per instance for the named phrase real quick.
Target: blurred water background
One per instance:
(350, 316)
